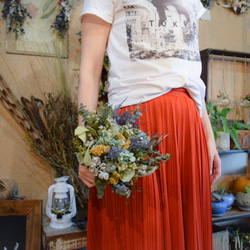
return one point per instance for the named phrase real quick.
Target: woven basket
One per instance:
(6, 189)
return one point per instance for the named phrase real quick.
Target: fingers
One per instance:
(214, 178)
(216, 170)
(85, 175)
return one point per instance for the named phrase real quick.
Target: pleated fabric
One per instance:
(173, 208)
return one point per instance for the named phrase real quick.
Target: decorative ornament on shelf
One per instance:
(224, 101)
(61, 204)
(15, 13)
(246, 101)
(238, 6)
(245, 105)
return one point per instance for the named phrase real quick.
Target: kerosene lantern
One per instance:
(61, 204)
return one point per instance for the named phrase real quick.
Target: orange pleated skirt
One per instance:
(173, 209)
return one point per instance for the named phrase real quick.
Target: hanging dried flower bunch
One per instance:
(15, 14)
(61, 24)
(238, 6)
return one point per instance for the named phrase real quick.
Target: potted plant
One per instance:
(243, 199)
(241, 133)
(219, 205)
(218, 120)
(221, 129)
(226, 195)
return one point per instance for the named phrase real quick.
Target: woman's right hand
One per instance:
(86, 176)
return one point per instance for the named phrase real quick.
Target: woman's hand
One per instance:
(215, 163)
(86, 176)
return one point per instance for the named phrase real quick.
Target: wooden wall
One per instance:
(34, 75)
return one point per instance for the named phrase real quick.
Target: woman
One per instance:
(154, 54)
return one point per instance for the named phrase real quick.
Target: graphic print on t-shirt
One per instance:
(158, 29)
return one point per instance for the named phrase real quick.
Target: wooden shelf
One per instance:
(234, 151)
(233, 214)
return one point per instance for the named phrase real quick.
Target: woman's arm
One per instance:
(215, 162)
(95, 32)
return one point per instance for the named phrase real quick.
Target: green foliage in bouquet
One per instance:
(115, 151)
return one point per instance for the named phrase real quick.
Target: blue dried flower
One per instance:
(127, 117)
(139, 142)
(114, 152)
(122, 189)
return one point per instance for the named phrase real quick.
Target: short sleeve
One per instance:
(201, 9)
(100, 8)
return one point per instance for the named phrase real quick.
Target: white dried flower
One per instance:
(103, 175)
(94, 171)
(103, 166)
(96, 160)
(92, 165)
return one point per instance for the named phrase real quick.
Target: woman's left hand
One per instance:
(215, 164)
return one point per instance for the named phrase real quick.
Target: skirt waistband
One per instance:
(178, 92)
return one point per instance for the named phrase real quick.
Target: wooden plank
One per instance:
(232, 214)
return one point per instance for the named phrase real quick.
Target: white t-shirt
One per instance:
(153, 47)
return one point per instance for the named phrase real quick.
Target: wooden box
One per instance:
(62, 239)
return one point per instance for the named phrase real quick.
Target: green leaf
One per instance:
(234, 136)
(48, 14)
(92, 130)
(127, 175)
(87, 158)
(46, 5)
(132, 159)
(150, 170)
(115, 128)
(100, 187)
(157, 159)
(165, 157)
(80, 158)
(240, 126)
(81, 133)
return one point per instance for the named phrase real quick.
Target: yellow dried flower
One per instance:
(99, 150)
(113, 181)
(120, 136)
(116, 176)
(127, 144)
